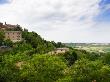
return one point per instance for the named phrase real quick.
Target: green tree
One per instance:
(38, 43)
(43, 68)
(1, 37)
(71, 57)
(106, 58)
(87, 71)
(8, 42)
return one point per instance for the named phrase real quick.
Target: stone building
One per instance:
(8, 29)
(59, 51)
(14, 36)
(7, 26)
(10, 26)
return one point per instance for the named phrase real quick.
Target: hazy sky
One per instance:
(61, 20)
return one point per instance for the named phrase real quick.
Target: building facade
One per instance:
(59, 51)
(14, 36)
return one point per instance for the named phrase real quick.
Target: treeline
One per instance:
(39, 43)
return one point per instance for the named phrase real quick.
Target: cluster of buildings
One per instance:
(14, 36)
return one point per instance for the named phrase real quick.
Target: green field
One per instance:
(95, 49)
(90, 47)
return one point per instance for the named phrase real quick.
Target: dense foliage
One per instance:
(1, 37)
(73, 66)
(29, 61)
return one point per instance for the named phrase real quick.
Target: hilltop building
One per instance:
(14, 36)
(7, 26)
(12, 32)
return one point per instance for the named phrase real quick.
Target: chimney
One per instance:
(5, 23)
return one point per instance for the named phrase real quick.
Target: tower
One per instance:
(5, 23)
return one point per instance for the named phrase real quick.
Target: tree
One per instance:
(38, 43)
(8, 42)
(106, 58)
(71, 57)
(43, 68)
(1, 37)
(59, 45)
(85, 70)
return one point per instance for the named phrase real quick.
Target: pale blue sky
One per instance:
(104, 15)
(3, 1)
(61, 20)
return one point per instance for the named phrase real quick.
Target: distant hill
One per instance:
(86, 44)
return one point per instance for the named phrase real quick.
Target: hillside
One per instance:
(29, 40)
(28, 60)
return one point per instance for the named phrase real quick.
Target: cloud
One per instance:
(59, 20)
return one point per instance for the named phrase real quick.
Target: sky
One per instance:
(82, 21)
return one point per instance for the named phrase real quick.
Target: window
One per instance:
(18, 39)
(18, 33)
